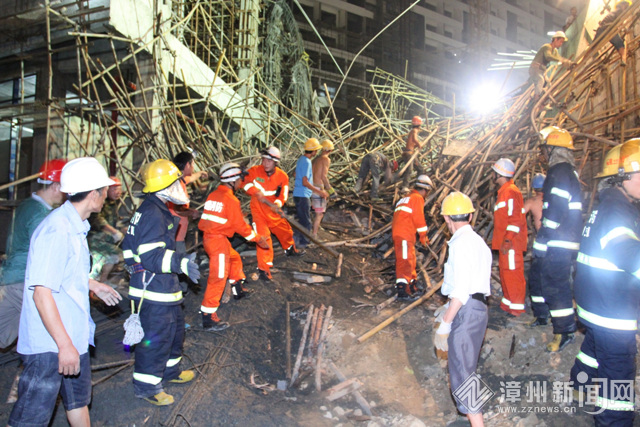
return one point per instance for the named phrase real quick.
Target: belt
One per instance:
(479, 296)
(134, 268)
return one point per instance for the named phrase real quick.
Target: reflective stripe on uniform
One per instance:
(221, 266)
(513, 228)
(184, 266)
(516, 306)
(208, 310)
(575, 206)
(561, 193)
(146, 247)
(563, 312)
(422, 229)
(607, 322)
(601, 263)
(546, 222)
(405, 250)
(155, 296)
(166, 261)
(248, 186)
(539, 246)
(537, 299)
(402, 281)
(128, 253)
(147, 379)
(545, 205)
(510, 207)
(404, 208)
(278, 203)
(499, 205)
(250, 236)
(587, 360)
(614, 405)
(511, 255)
(173, 362)
(506, 302)
(617, 232)
(214, 218)
(563, 244)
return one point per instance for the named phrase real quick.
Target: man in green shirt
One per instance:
(27, 217)
(545, 55)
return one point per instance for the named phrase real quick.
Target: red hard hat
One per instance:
(50, 171)
(395, 165)
(116, 181)
(416, 121)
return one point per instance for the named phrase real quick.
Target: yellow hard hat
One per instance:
(327, 145)
(630, 156)
(557, 137)
(457, 203)
(159, 174)
(610, 163)
(618, 3)
(312, 144)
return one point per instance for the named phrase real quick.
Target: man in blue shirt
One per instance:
(55, 324)
(303, 188)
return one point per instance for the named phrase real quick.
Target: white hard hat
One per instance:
(271, 153)
(83, 174)
(424, 181)
(230, 172)
(559, 35)
(504, 167)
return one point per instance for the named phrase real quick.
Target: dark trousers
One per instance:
(303, 214)
(540, 309)
(158, 354)
(608, 358)
(371, 163)
(556, 289)
(406, 177)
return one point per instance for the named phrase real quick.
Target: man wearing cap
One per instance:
(321, 165)
(408, 219)
(545, 55)
(221, 219)
(104, 236)
(509, 237)
(303, 188)
(616, 41)
(268, 186)
(376, 163)
(149, 250)
(463, 320)
(56, 328)
(27, 217)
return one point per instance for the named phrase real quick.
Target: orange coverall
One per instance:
(275, 188)
(221, 219)
(408, 219)
(510, 223)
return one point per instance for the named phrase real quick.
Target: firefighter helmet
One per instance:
(50, 171)
(159, 175)
(271, 153)
(538, 181)
(630, 156)
(83, 174)
(424, 181)
(116, 181)
(416, 121)
(312, 144)
(327, 145)
(229, 172)
(504, 167)
(610, 163)
(457, 203)
(557, 137)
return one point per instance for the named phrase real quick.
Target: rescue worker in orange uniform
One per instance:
(510, 237)
(413, 143)
(268, 186)
(408, 219)
(221, 219)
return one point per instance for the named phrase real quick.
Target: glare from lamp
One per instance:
(485, 99)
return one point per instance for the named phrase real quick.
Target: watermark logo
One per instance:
(473, 393)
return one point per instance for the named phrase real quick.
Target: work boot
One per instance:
(184, 377)
(264, 276)
(402, 294)
(239, 291)
(539, 321)
(358, 186)
(211, 322)
(559, 342)
(160, 399)
(293, 252)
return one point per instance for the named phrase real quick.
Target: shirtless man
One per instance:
(320, 167)
(413, 143)
(534, 204)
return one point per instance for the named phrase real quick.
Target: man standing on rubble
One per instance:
(463, 320)
(547, 53)
(607, 292)
(321, 165)
(616, 41)
(268, 186)
(413, 144)
(534, 206)
(509, 237)
(376, 163)
(558, 239)
(221, 219)
(56, 328)
(303, 188)
(28, 216)
(408, 219)
(149, 250)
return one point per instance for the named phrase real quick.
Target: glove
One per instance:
(262, 242)
(440, 340)
(424, 240)
(439, 313)
(332, 193)
(117, 236)
(190, 268)
(506, 246)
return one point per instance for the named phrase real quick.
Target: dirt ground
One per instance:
(401, 378)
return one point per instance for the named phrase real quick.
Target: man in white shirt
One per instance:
(463, 323)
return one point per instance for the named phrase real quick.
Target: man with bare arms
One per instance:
(320, 167)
